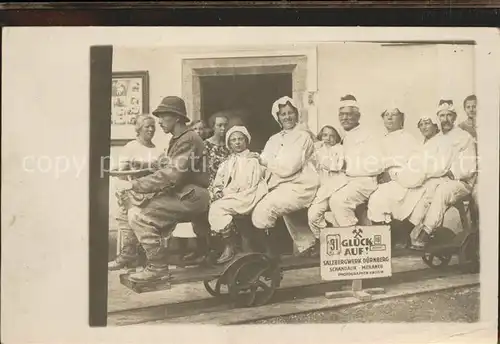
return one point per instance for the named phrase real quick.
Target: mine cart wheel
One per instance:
(468, 255)
(436, 261)
(213, 287)
(440, 248)
(252, 281)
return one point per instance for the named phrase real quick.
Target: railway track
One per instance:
(176, 311)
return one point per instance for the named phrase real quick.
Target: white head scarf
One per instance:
(240, 129)
(348, 102)
(391, 108)
(281, 102)
(425, 118)
(446, 105)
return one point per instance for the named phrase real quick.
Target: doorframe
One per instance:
(301, 62)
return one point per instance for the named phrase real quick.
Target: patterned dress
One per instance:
(215, 155)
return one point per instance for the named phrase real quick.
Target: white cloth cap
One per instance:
(446, 106)
(281, 102)
(392, 107)
(240, 129)
(425, 118)
(348, 102)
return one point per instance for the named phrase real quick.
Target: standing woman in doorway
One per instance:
(216, 150)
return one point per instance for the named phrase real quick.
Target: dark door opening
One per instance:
(248, 97)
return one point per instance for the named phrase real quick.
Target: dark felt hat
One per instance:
(172, 105)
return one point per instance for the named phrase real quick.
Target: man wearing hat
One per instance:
(363, 162)
(179, 186)
(456, 165)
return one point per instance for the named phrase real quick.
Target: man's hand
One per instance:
(123, 185)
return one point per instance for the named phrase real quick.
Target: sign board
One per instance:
(357, 252)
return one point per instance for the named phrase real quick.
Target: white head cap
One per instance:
(445, 105)
(240, 129)
(348, 100)
(425, 118)
(281, 102)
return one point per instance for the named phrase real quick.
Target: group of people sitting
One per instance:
(219, 178)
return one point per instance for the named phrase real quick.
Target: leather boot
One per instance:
(313, 251)
(153, 272)
(157, 267)
(199, 255)
(230, 248)
(129, 253)
(123, 263)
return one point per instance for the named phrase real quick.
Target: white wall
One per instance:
(412, 77)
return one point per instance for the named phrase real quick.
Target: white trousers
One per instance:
(343, 202)
(446, 194)
(284, 201)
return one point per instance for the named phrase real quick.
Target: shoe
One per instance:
(123, 263)
(419, 238)
(230, 249)
(311, 252)
(151, 273)
(200, 254)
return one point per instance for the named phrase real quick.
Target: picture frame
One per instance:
(129, 99)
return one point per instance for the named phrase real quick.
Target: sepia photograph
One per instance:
(279, 184)
(224, 184)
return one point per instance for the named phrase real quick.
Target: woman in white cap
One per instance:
(411, 186)
(428, 128)
(292, 180)
(398, 146)
(329, 161)
(238, 186)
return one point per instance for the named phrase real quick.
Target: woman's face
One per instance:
(237, 142)
(287, 117)
(220, 126)
(329, 137)
(199, 128)
(393, 120)
(148, 130)
(427, 128)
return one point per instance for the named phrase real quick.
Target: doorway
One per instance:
(247, 98)
(247, 87)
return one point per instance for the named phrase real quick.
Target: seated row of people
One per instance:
(292, 173)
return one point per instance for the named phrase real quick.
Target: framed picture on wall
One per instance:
(129, 99)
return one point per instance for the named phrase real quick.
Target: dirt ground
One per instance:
(456, 305)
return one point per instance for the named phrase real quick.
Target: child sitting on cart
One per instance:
(237, 187)
(329, 160)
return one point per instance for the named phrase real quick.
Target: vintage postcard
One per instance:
(256, 177)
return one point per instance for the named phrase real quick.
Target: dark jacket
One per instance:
(184, 163)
